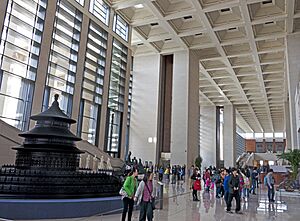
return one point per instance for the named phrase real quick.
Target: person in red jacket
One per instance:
(196, 183)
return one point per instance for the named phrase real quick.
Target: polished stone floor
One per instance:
(178, 206)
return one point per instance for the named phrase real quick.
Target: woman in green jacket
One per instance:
(130, 186)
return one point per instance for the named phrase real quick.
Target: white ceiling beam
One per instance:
(142, 22)
(202, 46)
(165, 23)
(232, 42)
(271, 50)
(179, 14)
(145, 42)
(216, 86)
(220, 6)
(192, 31)
(269, 19)
(229, 25)
(271, 36)
(202, 17)
(161, 37)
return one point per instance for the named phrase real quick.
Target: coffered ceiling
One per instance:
(240, 43)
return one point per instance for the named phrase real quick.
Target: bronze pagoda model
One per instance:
(47, 164)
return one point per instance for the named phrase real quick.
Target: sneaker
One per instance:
(228, 211)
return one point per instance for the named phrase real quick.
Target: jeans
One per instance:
(226, 196)
(195, 195)
(146, 211)
(246, 192)
(253, 187)
(271, 192)
(236, 195)
(218, 191)
(127, 206)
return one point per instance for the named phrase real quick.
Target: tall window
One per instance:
(121, 27)
(129, 113)
(116, 98)
(100, 9)
(117, 77)
(63, 57)
(81, 2)
(19, 52)
(92, 85)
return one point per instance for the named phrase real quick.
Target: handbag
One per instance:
(152, 201)
(197, 185)
(123, 193)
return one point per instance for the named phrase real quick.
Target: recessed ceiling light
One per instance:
(267, 2)
(232, 29)
(139, 6)
(225, 10)
(188, 17)
(270, 23)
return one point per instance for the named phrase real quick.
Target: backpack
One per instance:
(247, 182)
(266, 180)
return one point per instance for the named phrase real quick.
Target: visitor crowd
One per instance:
(231, 183)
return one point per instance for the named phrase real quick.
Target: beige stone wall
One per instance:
(8, 139)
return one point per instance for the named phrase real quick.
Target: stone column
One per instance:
(208, 135)
(293, 77)
(229, 136)
(193, 110)
(287, 123)
(185, 109)
(144, 109)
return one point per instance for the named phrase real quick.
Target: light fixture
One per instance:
(139, 6)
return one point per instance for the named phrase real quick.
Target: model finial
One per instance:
(56, 97)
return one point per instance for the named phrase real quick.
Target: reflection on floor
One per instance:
(178, 206)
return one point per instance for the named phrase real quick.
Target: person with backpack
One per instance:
(145, 196)
(269, 181)
(160, 173)
(218, 182)
(246, 187)
(196, 183)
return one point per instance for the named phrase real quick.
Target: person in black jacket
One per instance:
(234, 191)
